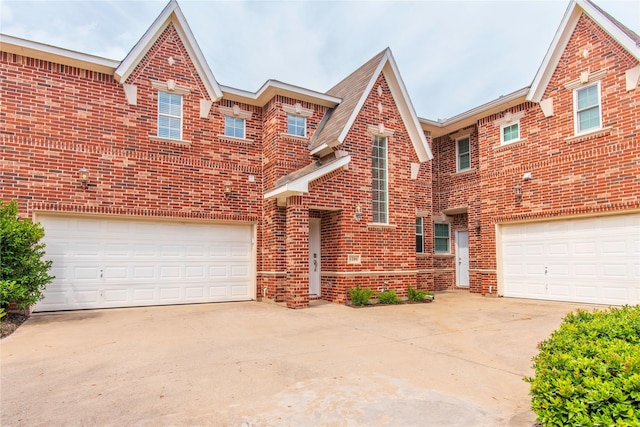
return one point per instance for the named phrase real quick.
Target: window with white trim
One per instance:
(234, 126)
(296, 125)
(379, 180)
(420, 235)
(169, 115)
(441, 239)
(587, 108)
(463, 153)
(509, 132)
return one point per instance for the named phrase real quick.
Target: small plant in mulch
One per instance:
(360, 296)
(10, 322)
(388, 297)
(417, 295)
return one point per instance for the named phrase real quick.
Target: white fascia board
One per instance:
(407, 112)
(610, 28)
(301, 185)
(443, 127)
(170, 14)
(551, 59)
(55, 54)
(272, 88)
(354, 114)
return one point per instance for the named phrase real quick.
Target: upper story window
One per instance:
(587, 108)
(379, 180)
(419, 235)
(234, 126)
(441, 238)
(510, 132)
(296, 125)
(169, 115)
(463, 153)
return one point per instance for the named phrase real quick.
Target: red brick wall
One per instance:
(571, 176)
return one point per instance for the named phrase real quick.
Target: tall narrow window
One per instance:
(419, 235)
(379, 180)
(441, 238)
(234, 126)
(296, 125)
(587, 106)
(169, 115)
(463, 151)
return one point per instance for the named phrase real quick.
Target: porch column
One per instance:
(297, 243)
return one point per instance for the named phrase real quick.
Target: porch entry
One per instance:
(462, 258)
(314, 256)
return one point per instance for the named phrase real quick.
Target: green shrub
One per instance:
(23, 272)
(360, 297)
(417, 295)
(588, 372)
(388, 297)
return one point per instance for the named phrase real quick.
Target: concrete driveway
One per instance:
(456, 362)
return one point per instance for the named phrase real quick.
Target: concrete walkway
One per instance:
(456, 362)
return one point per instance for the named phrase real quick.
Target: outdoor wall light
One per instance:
(478, 227)
(227, 189)
(83, 174)
(517, 189)
(358, 215)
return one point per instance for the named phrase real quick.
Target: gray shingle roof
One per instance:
(350, 90)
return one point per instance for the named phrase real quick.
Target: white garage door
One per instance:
(593, 260)
(106, 262)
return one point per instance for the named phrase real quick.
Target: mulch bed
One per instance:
(10, 323)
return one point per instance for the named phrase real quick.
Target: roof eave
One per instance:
(170, 14)
(57, 55)
(470, 117)
(273, 88)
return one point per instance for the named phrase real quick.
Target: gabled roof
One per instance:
(354, 91)
(274, 87)
(171, 14)
(621, 34)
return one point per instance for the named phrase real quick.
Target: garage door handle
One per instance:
(545, 270)
(101, 274)
(315, 265)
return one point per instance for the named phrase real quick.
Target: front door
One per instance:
(462, 258)
(314, 256)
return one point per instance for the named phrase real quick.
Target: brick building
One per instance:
(157, 185)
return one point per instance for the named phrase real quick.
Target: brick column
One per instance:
(297, 249)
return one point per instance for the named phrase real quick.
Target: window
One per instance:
(510, 132)
(419, 235)
(379, 179)
(234, 126)
(463, 150)
(169, 115)
(296, 125)
(441, 236)
(587, 106)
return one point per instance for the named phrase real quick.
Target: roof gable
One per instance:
(354, 91)
(621, 34)
(171, 14)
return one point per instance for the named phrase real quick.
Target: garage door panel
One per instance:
(592, 260)
(100, 262)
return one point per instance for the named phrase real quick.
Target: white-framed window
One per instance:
(463, 153)
(169, 115)
(296, 125)
(588, 113)
(379, 180)
(509, 132)
(234, 126)
(441, 239)
(420, 235)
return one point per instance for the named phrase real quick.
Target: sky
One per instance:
(452, 55)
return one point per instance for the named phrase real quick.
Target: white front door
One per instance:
(462, 258)
(314, 256)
